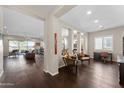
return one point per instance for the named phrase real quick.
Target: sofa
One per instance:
(30, 55)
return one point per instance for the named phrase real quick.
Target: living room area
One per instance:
(21, 42)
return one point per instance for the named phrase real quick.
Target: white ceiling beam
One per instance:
(23, 9)
(18, 37)
(63, 9)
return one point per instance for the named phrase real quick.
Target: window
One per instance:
(13, 45)
(98, 43)
(31, 45)
(65, 43)
(65, 32)
(21, 45)
(107, 43)
(104, 43)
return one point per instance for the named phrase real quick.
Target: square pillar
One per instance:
(78, 42)
(70, 41)
(52, 45)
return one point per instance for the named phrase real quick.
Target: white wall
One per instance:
(1, 56)
(6, 46)
(117, 40)
(1, 42)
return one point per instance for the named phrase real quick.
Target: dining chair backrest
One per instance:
(104, 54)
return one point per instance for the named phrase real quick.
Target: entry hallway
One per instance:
(22, 73)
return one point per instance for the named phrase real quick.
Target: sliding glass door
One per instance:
(13, 45)
(22, 46)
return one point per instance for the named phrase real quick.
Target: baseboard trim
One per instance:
(52, 74)
(45, 71)
(61, 66)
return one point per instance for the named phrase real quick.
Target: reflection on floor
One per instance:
(22, 73)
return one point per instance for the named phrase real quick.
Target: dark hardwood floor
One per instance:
(29, 74)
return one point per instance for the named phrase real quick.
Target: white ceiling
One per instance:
(22, 25)
(109, 16)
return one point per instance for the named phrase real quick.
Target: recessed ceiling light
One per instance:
(75, 32)
(89, 12)
(100, 26)
(82, 34)
(96, 21)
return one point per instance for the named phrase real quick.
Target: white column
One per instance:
(78, 42)
(85, 43)
(51, 60)
(1, 42)
(70, 41)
